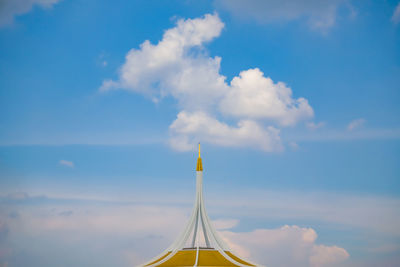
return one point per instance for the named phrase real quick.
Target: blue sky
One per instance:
(295, 103)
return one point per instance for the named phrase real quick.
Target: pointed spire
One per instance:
(199, 164)
(189, 249)
(199, 150)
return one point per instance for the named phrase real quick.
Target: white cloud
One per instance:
(66, 163)
(190, 128)
(108, 85)
(179, 66)
(224, 224)
(170, 67)
(356, 124)
(252, 95)
(321, 15)
(322, 255)
(396, 14)
(11, 8)
(285, 246)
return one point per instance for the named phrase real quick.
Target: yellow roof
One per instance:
(207, 257)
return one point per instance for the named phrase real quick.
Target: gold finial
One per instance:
(199, 167)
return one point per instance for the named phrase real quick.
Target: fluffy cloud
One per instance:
(355, 124)
(169, 68)
(179, 66)
(285, 246)
(11, 8)
(396, 14)
(189, 128)
(322, 255)
(252, 95)
(321, 15)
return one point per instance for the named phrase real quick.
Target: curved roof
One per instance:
(206, 257)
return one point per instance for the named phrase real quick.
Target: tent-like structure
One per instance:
(199, 243)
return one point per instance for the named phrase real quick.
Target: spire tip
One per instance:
(199, 150)
(199, 167)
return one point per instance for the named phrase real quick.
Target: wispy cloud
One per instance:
(356, 124)
(152, 227)
(102, 138)
(67, 163)
(141, 230)
(293, 145)
(396, 14)
(313, 126)
(3, 231)
(320, 15)
(224, 224)
(102, 59)
(11, 8)
(328, 135)
(372, 213)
